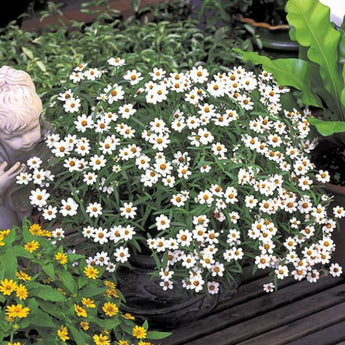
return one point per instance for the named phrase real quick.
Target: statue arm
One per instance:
(7, 177)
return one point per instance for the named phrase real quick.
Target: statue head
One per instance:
(20, 110)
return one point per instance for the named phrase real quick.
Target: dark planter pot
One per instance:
(164, 310)
(275, 38)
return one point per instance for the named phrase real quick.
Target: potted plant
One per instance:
(319, 76)
(50, 294)
(261, 22)
(204, 172)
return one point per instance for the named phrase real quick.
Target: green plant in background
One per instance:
(319, 72)
(51, 296)
(229, 14)
(50, 54)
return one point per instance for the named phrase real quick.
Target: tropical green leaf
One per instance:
(327, 128)
(313, 29)
(287, 72)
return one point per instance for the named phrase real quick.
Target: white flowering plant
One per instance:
(205, 170)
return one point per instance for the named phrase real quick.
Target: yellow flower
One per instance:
(62, 291)
(62, 333)
(21, 292)
(101, 339)
(88, 302)
(21, 275)
(13, 311)
(46, 233)
(110, 309)
(16, 343)
(3, 234)
(109, 284)
(31, 246)
(7, 286)
(144, 343)
(35, 229)
(84, 325)
(128, 316)
(111, 292)
(139, 332)
(91, 272)
(80, 311)
(61, 257)
(123, 342)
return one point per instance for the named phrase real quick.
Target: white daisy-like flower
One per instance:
(116, 61)
(90, 178)
(49, 212)
(157, 74)
(88, 231)
(24, 178)
(162, 222)
(128, 210)
(127, 110)
(335, 270)
(39, 197)
(115, 93)
(121, 254)
(72, 105)
(101, 235)
(339, 211)
(94, 209)
(102, 258)
(269, 287)
(199, 74)
(68, 207)
(58, 233)
(133, 76)
(97, 162)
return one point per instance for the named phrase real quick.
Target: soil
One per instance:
(331, 157)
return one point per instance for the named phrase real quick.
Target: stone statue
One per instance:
(21, 137)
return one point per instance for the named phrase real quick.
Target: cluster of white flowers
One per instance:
(216, 164)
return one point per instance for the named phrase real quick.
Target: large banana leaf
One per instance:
(288, 72)
(313, 29)
(327, 128)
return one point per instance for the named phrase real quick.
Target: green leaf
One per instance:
(157, 335)
(42, 319)
(67, 279)
(10, 264)
(20, 251)
(327, 128)
(28, 53)
(107, 324)
(44, 292)
(314, 30)
(91, 290)
(288, 72)
(11, 237)
(53, 309)
(78, 336)
(49, 270)
(41, 66)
